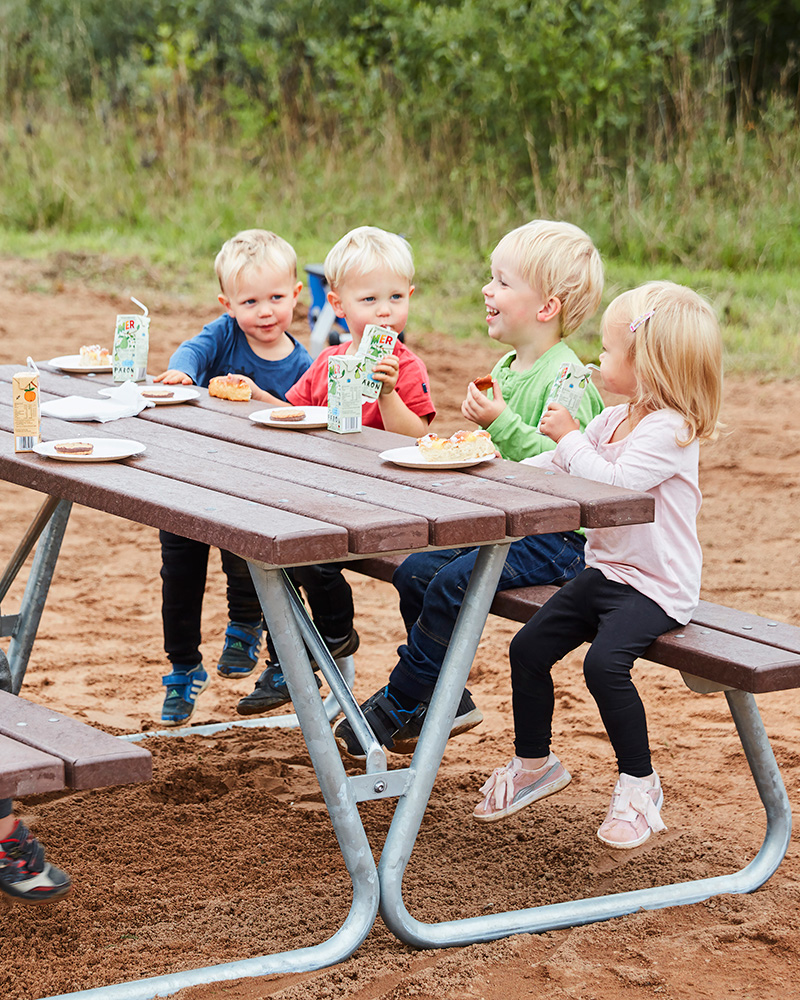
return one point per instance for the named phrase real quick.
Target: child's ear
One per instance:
(411, 290)
(336, 302)
(550, 309)
(226, 304)
(297, 289)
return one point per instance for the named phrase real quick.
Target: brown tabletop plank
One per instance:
(526, 512)
(243, 472)
(27, 771)
(600, 505)
(91, 757)
(380, 516)
(250, 529)
(226, 420)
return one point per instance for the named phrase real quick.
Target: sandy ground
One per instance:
(203, 866)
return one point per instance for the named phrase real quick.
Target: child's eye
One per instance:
(368, 298)
(397, 297)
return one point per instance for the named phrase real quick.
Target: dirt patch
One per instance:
(202, 865)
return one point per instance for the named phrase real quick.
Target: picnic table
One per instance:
(281, 497)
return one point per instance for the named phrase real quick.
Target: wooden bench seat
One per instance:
(721, 647)
(44, 751)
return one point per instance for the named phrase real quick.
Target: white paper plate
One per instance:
(410, 458)
(105, 449)
(72, 363)
(180, 394)
(315, 416)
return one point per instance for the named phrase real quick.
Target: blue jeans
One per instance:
(432, 585)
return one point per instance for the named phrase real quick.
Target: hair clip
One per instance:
(642, 319)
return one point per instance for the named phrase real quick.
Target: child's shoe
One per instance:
(24, 873)
(510, 788)
(397, 728)
(271, 690)
(634, 813)
(240, 652)
(183, 686)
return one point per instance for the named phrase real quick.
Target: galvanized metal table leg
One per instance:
(342, 807)
(48, 526)
(403, 832)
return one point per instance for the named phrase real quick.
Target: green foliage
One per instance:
(668, 130)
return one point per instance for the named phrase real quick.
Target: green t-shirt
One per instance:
(514, 432)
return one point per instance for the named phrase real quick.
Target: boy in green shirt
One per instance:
(547, 278)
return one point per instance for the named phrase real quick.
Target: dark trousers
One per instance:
(184, 566)
(6, 807)
(620, 623)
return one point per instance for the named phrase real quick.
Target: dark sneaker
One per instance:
(398, 728)
(271, 690)
(344, 648)
(24, 873)
(183, 688)
(468, 716)
(240, 652)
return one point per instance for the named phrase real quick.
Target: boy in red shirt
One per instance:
(369, 272)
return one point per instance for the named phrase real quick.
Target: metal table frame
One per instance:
(380, 888)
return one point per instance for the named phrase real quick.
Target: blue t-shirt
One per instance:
(222, 347)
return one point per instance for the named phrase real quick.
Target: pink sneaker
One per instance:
(634, 813)
(510, 788)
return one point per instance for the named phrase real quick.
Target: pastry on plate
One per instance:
(74, 447)
(229, 387)
(463, 446)
(288, 415)
(94, 355)
(152, 392)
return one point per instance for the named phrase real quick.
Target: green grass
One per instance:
(121, 208)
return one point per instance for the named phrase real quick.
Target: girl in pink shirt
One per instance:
(662, 350)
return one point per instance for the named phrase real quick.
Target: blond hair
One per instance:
(676, 352)
(252, 248)
(366, 249)
(558, 259)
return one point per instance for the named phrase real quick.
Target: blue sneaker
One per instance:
(240, 652)
(183, 687)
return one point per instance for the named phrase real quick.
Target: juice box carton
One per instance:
(345, 374)
(569, 386)
(131, 345)
(25, 404)
(375, 343)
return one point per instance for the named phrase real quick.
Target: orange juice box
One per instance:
(375, 343)
(345, 375)
(27, 418)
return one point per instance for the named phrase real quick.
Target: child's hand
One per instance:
(173, 377)
(387, 371)
(557, 421)
(479, 408)
(255, 392)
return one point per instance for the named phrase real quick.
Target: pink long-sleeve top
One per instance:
(662, 560)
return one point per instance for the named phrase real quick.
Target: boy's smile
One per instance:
(379, 297)
(263, 304)
(512, 305)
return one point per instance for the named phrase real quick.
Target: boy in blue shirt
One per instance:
(257, 273)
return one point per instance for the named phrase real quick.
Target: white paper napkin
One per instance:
(123, 401)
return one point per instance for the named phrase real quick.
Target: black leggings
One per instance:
(620, 623)
(6, 807)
